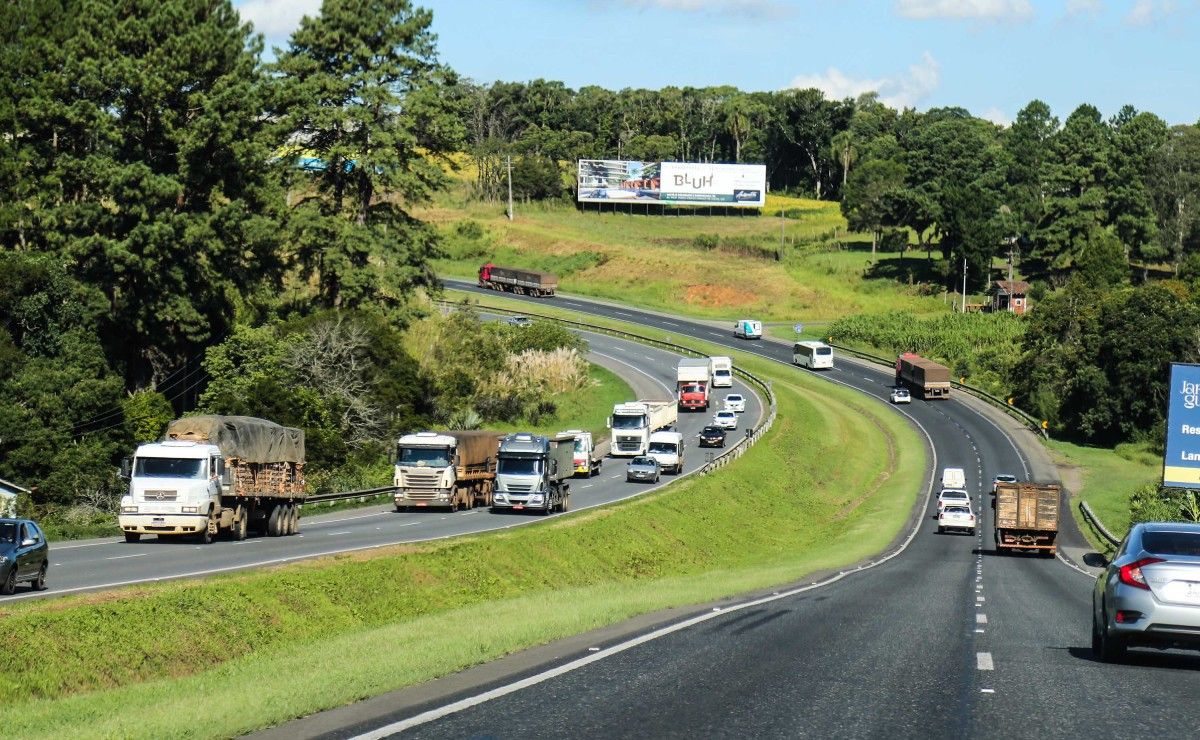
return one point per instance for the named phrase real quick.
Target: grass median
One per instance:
(832, 482)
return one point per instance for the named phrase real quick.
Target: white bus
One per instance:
(814, 355)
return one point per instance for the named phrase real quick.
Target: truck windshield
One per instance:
(579, 445)
(424, 457)
(519, 466)
(169, 467)
(667, 448)
(629, 422)
(692, 388)
(721, 373)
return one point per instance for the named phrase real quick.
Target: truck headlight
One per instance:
(129, 509)
(188, 509)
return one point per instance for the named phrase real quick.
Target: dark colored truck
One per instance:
(924, 377)
(516, 280)
(1026, 517)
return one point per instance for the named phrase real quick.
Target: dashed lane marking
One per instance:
(122, 557)
(983, 662)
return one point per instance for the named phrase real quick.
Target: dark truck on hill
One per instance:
(923, 377)
(517, 280)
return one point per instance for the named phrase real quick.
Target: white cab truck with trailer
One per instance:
(532, 473)
(632, 424)
(589, 452)
(215, 474)
(667, 448)
(452, 469)
(722, 372)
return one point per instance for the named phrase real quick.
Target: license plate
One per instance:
(1193, 590)
(518, 506)
(159, 520)
(422, 503)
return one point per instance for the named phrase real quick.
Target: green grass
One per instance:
(833, 482)
(1105, 479)
(661, 261)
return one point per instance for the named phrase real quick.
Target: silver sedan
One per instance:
(1149, 595)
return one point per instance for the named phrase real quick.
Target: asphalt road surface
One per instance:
(948, 639)
(96, 564)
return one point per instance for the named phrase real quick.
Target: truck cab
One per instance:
(722, 372)
(667, 448)
(424, 473)
(530, 470)
(174, 487)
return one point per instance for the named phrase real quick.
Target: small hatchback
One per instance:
(642, 468)
(1149, 595)
(24, 555)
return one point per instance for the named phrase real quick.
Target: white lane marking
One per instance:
(253, 542)
(467, 513)
(979, 631)
(313, 524)
(979, 599)
(980, 619)
(983, 662)
(586, 485)
(670, 323)
(122, 557)
(987, 691)
(54, 546)
(335, 534)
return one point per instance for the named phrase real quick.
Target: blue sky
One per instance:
(989, 56)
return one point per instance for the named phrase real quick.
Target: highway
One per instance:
(947, 639)
(96, 564)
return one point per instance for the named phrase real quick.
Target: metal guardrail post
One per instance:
(1096, 524)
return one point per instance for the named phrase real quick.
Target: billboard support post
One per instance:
(508, 164)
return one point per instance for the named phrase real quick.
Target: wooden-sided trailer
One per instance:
(516, 280)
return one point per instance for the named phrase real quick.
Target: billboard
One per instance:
(672, 183)
(1181, 462)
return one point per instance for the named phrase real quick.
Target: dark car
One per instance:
(711, 436)
(24, 555)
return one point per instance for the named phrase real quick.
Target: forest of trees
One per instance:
(161, 249)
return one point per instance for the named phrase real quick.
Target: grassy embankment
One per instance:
(578, 411)
(833, 481)
(1106, 478)
(713, 267)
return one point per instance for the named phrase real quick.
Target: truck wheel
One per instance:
(133, 536)
(401, 509)
(241, 524)
(273, 521)
(941, 530)
(206, 537)
(295, 519)
(565, 505)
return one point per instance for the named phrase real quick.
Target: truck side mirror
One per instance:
(226, 473)
(608, 423)
(126, 467)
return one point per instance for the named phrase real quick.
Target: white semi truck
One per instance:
(632, 424)
(532, 473)
(215, 474)
(451, 470)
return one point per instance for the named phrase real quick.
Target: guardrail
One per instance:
(1024, 417)
(1096, 524)
(732, 453)
(329, 498)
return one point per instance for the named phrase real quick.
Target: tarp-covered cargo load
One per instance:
(246, 438)
(476, 447)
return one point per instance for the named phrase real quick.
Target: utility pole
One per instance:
(508, 164)
(964, 295)
(781, 223)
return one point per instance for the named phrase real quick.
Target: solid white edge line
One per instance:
(462, 704)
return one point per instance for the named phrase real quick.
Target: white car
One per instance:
(735, 402)
(901, 395)
(956, 517)
(953, 497)
(725, 419)
(1002, 478)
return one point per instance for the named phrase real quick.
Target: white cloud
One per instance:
(750, 8)
(997, 116)
(899, 91)
(1077, 8)
(1147, 12)
(277, 18)
(971, 10)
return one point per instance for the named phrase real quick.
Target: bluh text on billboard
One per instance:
(672, 183)
(1181, 462)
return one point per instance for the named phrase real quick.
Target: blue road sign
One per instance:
(799, 328)
(1181, 463)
